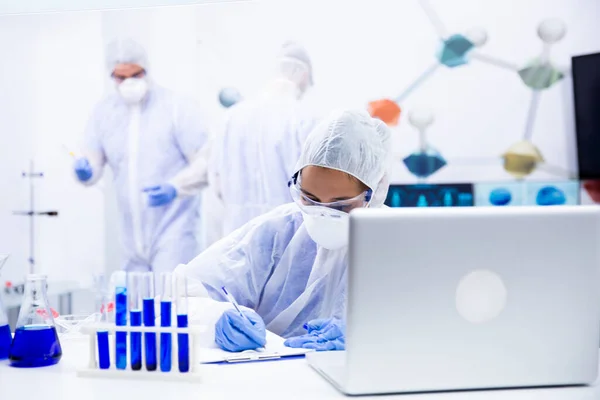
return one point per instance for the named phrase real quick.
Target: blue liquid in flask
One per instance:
(183, 343)
(5, 341)
(103, 350)
(150, 338)
(165, 338)
(35, 346)
(136, 340)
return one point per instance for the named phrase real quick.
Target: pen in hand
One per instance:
(234, 303)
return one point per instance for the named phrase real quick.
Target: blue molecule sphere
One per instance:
(424, 163)
(229, 96)
(550, 196)
(500, 197)
(454, 51)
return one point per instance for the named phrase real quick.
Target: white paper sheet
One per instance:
(274, 349)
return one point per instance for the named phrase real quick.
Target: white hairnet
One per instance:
(294, 62)
(125, 51)
(355, 143)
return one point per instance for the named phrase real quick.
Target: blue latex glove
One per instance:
(83, 169)
(160, 195)
(236, 333)
(323, 335)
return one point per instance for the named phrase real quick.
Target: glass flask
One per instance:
(5, 335)
(36, 342)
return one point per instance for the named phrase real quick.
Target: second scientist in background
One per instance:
(153, 141)
(255, 153)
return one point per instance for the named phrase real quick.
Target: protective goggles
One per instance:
(342, 205)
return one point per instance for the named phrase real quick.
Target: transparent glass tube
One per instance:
(134, 287)
(149, 318)
(100, 289)
(119, 279)
(183, 341)
(165, 320)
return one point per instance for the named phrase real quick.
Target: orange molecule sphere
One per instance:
(593, 189)
(386, 110)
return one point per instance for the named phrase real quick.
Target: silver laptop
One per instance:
(446, 299)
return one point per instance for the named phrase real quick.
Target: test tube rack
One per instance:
(94, 371)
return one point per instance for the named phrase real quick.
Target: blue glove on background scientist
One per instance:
(290, 265)
(157, 195)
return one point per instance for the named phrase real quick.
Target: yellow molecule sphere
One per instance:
(521, 159)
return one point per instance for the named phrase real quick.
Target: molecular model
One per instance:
(456, 50)
(229, 96)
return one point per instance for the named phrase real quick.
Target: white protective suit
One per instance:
(271, 264)
(156, 141)
(254, 154)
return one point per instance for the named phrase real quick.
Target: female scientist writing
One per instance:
(288, 267)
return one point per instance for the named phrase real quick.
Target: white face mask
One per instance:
(327, 227)
(133, 90)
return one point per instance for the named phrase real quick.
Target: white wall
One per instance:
(367, 50)
(16, 127)
(40, 6)
(48, 90)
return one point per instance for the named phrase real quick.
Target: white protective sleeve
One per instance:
(217, 157)
(193, 178)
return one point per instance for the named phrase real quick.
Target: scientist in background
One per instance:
(289, 266)
(254, 153)
(153, 140)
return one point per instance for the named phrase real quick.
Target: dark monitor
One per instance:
(586, 90)
(430, 195)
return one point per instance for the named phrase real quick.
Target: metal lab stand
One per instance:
(32, 213)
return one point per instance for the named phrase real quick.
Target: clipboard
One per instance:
(273, 350)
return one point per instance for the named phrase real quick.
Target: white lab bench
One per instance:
(278, 380)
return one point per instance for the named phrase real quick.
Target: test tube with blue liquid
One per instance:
(102, 334)
(183, 340)
(165, 320)
(36, 342)
(149, 320)
(134, 293)
(120, 285)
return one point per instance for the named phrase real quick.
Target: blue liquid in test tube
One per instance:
(120, 278)
(165, 338)
(149, 320)
(102, 335)
(103, 350)
(136, 340)
(183, 343)
(183, 340)
(165, 321)
(134, 287)
(150, 337)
